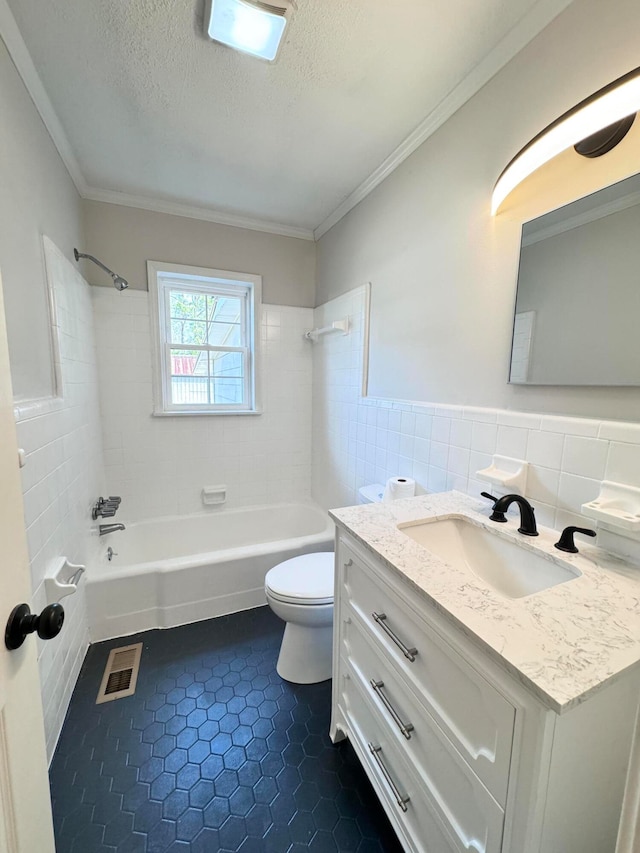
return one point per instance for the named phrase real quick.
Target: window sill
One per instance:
(206, 413)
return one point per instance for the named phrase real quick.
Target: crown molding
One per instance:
(21, 58)
(516, 39)
(193, 212)
(524, 31)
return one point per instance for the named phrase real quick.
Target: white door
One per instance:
(25, 807)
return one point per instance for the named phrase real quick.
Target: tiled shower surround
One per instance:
(62, 477)
(160, 464)
(360, 440)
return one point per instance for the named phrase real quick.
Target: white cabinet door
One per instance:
(25, 806)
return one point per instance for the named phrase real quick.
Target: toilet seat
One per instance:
(307, 579)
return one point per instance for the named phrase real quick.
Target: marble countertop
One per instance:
(563, 643)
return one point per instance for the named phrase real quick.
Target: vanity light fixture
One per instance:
(250, 26)
(593, 127)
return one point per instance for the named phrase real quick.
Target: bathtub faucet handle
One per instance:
(105, 508)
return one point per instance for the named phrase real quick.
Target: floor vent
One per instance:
(120, 674)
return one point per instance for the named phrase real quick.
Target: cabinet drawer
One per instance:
(443, 814)
(417, 824)
(461, 798)
(415, 730)
(475, 716)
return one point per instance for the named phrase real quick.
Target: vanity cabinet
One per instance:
(463, 756)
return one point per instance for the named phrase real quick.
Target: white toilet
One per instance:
(371, 494)
(300, 591)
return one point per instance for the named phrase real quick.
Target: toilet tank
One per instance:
(370, 494)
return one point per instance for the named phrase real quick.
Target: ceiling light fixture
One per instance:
(608, 107)
(250, 26)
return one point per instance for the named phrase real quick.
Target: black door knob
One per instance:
(22, 622)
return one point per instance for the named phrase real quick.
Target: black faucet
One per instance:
(566, 543)
(527, 515)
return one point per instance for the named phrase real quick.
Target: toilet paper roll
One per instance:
(399, 487)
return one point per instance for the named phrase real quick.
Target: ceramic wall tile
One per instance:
(159, 465)
(62, 477)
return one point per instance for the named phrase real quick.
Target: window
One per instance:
(207, 333)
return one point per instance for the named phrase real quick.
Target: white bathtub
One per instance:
(171, 571)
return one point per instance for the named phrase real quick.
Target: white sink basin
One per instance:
(505, 566)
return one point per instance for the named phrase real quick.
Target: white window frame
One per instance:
(161, 278)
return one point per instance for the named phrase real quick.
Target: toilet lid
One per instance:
(307, 579)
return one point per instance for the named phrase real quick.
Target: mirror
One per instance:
(577, 314)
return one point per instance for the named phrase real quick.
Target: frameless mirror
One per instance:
(577, 314)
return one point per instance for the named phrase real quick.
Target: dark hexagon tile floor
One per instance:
(214, 752)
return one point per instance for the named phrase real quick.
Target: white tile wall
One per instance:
(360, 440)
(62, 477)
(160, 464)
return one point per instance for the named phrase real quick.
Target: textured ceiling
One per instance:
(152, 108)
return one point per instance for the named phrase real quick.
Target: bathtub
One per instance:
(172, 571)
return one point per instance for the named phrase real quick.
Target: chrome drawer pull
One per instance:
(400, 800)
(405, 728)
(380, 618)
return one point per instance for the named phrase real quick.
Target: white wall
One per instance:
(38, 198)
(358, 441)
(159, 465)
(443, 271)
(62, 478)
(125, 239)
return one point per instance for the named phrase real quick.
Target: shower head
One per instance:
(118, 282)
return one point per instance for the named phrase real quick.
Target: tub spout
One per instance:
(110, 528)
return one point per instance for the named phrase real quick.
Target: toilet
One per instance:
(371, 494)
(300, 592)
